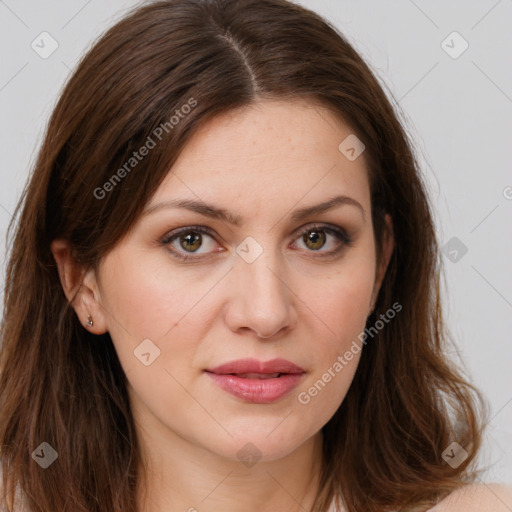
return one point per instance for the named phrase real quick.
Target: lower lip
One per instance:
(258, 391)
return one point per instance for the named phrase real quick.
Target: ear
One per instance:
(80, 287)
(387, 250)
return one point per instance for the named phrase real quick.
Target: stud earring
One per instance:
(90, 323)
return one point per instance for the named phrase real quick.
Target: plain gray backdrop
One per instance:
(447, 64)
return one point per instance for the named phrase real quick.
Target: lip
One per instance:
(256, 366)
(257, 390)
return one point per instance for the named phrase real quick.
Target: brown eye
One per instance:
(318, 237)
(187, 242)
(191, 242)
(314, 239)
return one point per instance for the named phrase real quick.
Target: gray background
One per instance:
(458, 111)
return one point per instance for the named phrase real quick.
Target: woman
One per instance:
(223, 286)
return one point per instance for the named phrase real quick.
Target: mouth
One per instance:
(257, 382)
(253, 368)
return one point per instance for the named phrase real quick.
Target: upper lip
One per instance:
(256, 366)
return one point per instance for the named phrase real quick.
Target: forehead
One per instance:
(273, 151)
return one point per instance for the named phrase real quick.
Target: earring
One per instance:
(90, 323)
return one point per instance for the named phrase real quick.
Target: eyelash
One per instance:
(340, 234)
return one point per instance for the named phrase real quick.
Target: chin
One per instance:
(260, 443)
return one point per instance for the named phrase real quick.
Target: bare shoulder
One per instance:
(476, 498)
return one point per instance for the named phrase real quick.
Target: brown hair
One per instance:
(62, 385)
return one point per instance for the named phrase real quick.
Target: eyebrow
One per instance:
(215, 212)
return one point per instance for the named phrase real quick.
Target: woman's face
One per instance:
(279, 283)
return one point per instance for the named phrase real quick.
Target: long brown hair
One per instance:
(62, 385)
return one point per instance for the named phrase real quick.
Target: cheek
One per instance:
(157, 303)
(340, 297)
(148, 294)
(143, 300)
(337, 313)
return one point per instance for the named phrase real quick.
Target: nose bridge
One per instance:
(264, 276)
(263, 300)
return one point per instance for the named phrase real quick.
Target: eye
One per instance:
(317, 237)
(184, 243)
(188, 240)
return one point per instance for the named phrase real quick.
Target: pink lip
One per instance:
(256, 366)
(261, 391)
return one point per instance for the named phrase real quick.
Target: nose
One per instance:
(261, 300)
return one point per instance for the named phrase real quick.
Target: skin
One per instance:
(476, 498)
(262, 163)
